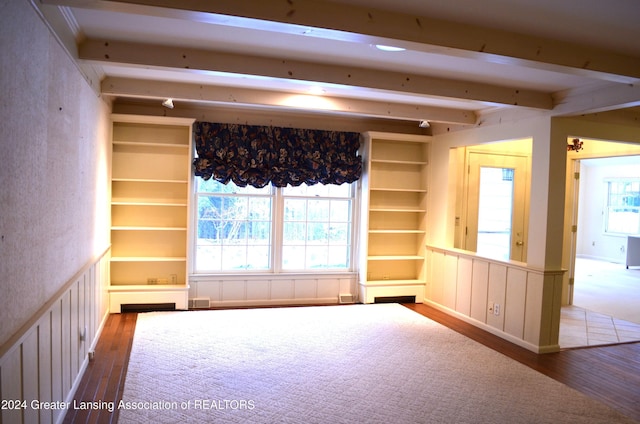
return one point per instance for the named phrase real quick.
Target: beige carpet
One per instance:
(334, 364)
(608, 288)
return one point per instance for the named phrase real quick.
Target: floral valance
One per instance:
(259, 155)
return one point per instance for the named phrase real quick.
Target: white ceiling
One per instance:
(462, 59)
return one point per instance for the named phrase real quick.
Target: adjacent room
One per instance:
(602, 305)
(319, 211)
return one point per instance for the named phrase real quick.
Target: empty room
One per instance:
(318, 211)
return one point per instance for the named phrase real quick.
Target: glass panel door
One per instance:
(495, 212)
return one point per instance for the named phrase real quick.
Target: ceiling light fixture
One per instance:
(385, 48)
(424, 124)
(168, 103)
(316, 90)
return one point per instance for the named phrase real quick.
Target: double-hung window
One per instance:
(622, 212)
(289, 229)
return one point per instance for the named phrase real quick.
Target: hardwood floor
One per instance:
(610, 374)
(103, 380)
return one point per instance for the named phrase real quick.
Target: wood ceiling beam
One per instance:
(368, 25)
(197, 60)
(606, 98)
(136, 88)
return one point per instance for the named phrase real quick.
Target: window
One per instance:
(305, 228)
(622, 214)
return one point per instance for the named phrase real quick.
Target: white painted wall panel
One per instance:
(329, 288)
(305, 289)
(524, 294)
(11, 384)
(533, 307)
(43, 363)
(65, 355)
(479, 290)
(56, 354)
(282, 289)
(233, 290)
(464, 284)
(45, 371)
(514, 306)
(449, 281)
(258, 289)
(496, 294)
(437, 277)
(276, 290)
(30, 374)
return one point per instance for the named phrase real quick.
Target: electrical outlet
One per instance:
(496, 309)
(174, 278)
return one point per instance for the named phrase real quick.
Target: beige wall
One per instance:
(54, 191)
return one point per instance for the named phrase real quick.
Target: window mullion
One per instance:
(277, 229)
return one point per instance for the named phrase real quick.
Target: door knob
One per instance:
(519, 243)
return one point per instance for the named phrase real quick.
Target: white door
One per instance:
(496, 198)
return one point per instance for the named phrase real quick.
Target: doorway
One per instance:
(603, 299)
(496, 199)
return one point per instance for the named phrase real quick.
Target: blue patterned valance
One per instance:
(256, 155)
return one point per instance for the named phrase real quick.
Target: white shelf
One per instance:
(394, 220)
(396, 258)
(151, 174)
(142, 228)
(398, 162)
(148, 259)
(398, 189)
(149, 144)
(146, 287)
(148, 180)
(403, 210)
(396, 231)
(141, 203)
(394, 283)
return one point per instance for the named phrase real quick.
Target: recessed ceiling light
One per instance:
(385, 48)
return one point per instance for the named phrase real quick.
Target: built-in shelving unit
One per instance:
(150, 186)
(394, 191)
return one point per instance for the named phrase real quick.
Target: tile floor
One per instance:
(580, 327)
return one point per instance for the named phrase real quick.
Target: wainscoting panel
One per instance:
(496, 292)
(465, 282)
(515, 302)
(272, 290)
(45, 361)
(509, 299)
(479, 294)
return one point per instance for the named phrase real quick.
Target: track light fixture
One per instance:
(168, 103)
